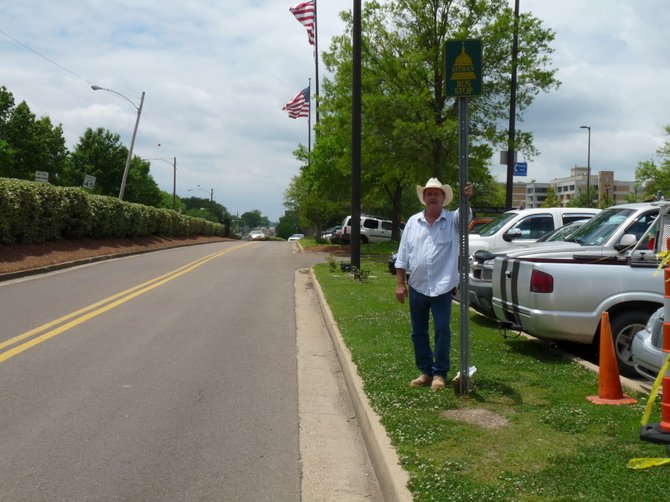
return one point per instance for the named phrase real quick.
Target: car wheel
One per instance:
(364, 239)
(624, 327)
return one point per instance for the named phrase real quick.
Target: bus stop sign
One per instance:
(463, 60)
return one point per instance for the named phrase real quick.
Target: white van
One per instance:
(373, 229)
(519, 227)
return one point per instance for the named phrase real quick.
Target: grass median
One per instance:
(525, 433)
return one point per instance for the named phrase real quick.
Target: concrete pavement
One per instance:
(336, 419)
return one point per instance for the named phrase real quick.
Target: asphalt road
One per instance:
(165, 376)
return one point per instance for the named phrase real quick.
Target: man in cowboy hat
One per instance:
(428, 254)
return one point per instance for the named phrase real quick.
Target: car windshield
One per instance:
(601, 227)
(563, 233)
(493, 226)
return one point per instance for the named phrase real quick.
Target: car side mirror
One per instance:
(627, 241)
(511, 234)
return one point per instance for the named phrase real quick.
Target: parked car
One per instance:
(647, 348)
(391, 263)
(336, 237)
(327, 235)
(556, 243)
(256, 235)
(520, 227)
(296, 237)
(476, 224)
(558, 297)
(563, 233)
(373, 229)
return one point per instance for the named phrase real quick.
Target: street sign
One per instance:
(463, 60)
(504, 155)
(520, 169)
(42, 176)
(89, 181)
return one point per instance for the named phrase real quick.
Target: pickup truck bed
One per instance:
(561, 299)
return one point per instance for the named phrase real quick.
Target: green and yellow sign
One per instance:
(463, 68)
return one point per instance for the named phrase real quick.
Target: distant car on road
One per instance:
(256, 235)
(296, 237)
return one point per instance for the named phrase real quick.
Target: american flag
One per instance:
(304, 13)
(299, 105)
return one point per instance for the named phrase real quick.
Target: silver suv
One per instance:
(373, 229)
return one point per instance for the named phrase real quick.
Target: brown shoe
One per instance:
(422, 380)
(438, 383)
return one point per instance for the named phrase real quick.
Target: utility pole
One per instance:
(511, 147)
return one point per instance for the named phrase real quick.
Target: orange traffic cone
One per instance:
(609, 384)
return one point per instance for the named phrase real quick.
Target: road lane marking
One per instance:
(82, 315)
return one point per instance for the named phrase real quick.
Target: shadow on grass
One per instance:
(540, 350)
(494, 388)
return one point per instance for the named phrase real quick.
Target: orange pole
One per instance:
(665, 383)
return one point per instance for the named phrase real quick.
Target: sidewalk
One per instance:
(391, 478)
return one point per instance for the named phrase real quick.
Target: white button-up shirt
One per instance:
(430, 253)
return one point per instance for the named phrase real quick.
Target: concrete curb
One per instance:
(390, 475)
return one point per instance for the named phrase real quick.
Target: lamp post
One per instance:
(132, 141)
(174, 179)
(588, 167)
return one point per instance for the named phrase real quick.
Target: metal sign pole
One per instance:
(463, 79)
(464, 386)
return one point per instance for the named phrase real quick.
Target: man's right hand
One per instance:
(401, 292)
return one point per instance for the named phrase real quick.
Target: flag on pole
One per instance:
(304, 13)
(299, 105)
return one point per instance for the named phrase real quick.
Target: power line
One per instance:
(45, 57)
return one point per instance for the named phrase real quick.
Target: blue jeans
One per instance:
(420, 306)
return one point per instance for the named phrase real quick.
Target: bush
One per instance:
(32, 212)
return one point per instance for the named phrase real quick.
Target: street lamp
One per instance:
(174, 179)
(132, 141)
(588, 167)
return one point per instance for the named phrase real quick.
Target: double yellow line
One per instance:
(53, 328)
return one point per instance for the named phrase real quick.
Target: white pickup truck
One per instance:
(563, 297)
(520, 227)
(598, 237)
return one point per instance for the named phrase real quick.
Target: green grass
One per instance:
(556, 446)
(372, 250)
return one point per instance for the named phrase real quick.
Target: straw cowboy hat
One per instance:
(435, 183)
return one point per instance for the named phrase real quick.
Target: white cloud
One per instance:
(614, 71)
(216, 75)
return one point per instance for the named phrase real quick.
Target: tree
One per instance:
(410, 128)
(289, 224)
(652, 176)
(583, 199)
(140, 185)
(552, 200)
(28, 144)
(100, 153)
(205, 208)
(253, 219)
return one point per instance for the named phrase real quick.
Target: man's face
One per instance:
(433, 197)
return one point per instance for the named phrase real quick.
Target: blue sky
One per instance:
(216, 75)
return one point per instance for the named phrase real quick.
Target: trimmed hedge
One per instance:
(32, 212)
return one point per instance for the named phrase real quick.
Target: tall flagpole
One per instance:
(309, 124)
(316, 64)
